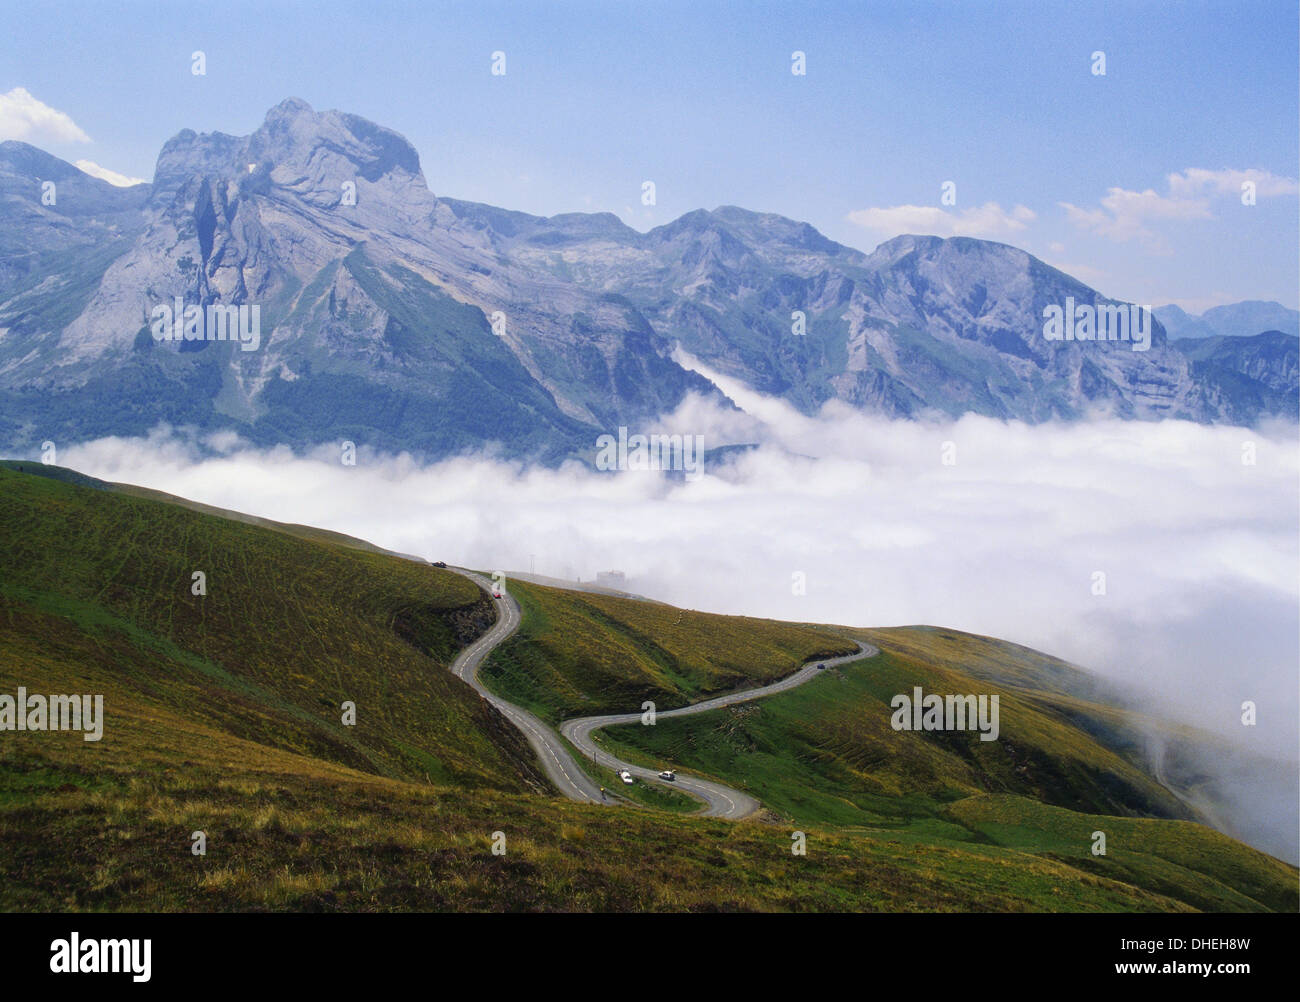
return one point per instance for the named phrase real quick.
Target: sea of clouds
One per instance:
(1199, 550)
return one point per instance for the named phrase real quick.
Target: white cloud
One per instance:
(111, 176)
(987, 220)
(1196, 180)
(1002, 543)
(1202, 609)
(1124, 215)
(25, 118)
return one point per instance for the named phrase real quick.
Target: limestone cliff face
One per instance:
(405, 321)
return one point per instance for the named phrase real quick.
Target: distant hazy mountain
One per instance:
(1253, 316)
(400, 320)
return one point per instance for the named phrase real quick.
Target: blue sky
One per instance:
(999, 98)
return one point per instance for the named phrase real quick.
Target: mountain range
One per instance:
(401, 320)
(1252, 316)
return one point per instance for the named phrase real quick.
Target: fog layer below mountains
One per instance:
(1149, 553)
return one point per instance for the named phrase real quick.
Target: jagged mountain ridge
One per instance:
(1247, 318)
(379, 319)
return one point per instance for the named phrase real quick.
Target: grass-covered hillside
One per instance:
(826, 753)
(222, 716)
(580, 653)
(97, 595)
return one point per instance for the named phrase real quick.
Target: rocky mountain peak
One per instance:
(294, 135)
(312, 153)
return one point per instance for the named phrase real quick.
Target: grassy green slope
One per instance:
(825, 753)
(95, 588)
(283, 833)
(1188, 861)
(579, 653)
(222, 716)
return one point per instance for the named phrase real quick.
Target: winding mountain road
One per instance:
(723, 801)
(720, 801)
(556, 760)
